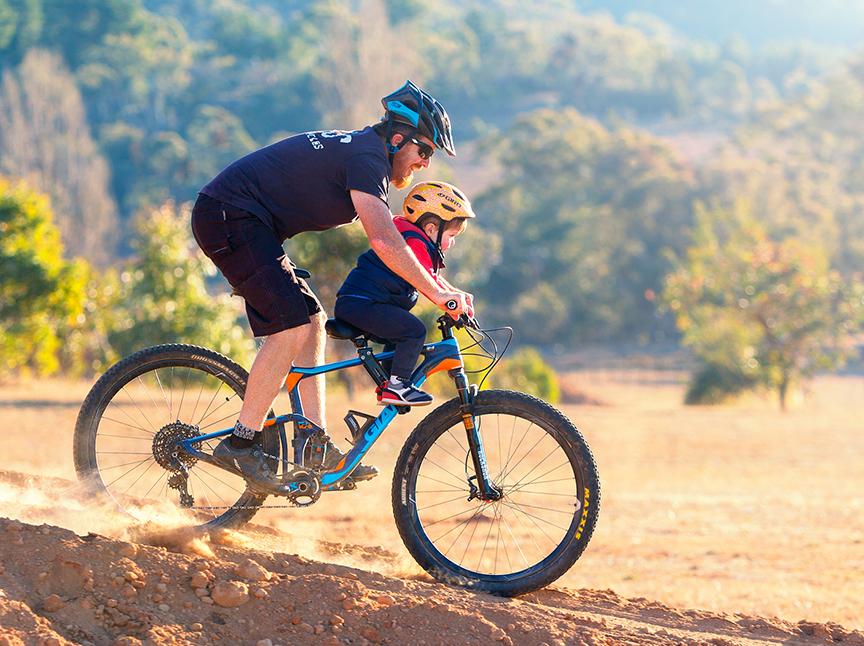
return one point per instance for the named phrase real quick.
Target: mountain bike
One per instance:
(493, 490)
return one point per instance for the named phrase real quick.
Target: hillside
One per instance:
(155, 586)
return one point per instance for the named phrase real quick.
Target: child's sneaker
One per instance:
(402, 392)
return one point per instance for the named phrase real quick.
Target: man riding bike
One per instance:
(311, 182)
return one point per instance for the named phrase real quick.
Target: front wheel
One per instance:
(550, 495)
(133, 418)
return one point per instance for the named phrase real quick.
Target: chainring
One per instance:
(305, 487)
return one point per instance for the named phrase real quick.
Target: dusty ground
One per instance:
(732, 525)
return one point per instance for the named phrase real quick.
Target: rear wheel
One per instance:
(550, 495)
(132, 419)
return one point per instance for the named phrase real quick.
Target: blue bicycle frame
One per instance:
(443, 355)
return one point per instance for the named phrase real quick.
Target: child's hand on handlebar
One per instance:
(454, 303)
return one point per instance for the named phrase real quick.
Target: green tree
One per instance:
(527, 372)
(758, 311)
(46, 139)
(164, 297)
(41, 294)
(584, 213)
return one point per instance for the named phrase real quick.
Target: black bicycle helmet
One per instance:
(409, 104)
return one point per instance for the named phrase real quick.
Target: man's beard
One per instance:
(402, 182)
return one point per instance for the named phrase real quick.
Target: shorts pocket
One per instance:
(273, 302)
(211, 232)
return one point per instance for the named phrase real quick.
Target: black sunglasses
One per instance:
(424, 150)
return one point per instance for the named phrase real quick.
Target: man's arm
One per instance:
(390, 246)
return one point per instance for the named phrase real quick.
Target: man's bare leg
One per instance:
(268, 373)
(312, 354)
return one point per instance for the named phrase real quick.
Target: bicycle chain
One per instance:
(176, 485)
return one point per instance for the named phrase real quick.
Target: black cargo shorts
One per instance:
(252, 259)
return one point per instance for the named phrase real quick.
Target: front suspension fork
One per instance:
(484, 489)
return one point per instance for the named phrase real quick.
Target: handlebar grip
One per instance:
(451, 304)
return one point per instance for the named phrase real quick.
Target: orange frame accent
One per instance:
(446, 364)
(292, 380)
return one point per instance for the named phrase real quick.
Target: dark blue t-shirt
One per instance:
(302, 183)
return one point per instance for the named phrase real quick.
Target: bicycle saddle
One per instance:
(339, 329)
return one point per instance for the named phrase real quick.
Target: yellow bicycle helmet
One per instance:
(437, 198)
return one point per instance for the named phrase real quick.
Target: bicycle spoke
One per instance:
(147, 405)
(438, 504)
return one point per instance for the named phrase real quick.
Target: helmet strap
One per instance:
(391, 149)
(438, 243)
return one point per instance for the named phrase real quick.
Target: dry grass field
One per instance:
(737, 509)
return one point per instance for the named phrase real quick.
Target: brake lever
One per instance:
(469, 321)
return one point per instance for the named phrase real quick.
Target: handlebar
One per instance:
(464, 320)
(445, 321)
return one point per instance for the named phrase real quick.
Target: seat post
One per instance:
(370, 363)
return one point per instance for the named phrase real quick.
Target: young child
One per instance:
(376, 300)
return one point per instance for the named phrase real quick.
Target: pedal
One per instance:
(347, 484)
(357, 431)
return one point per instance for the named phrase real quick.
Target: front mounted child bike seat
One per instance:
(339, 329)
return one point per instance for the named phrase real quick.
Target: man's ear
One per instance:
(397, 139)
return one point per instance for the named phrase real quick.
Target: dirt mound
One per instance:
(131, 584)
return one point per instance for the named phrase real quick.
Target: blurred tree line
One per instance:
(115, 107)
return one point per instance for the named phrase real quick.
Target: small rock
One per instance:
(264, 642)
(196, 627)
(498, 635)
(207, 600)
(386, 600)
(329, 569)
(130, 576)
(164, 607)
(260, 593)
(336, 620)
(127, 640)
(371, 634)
(340, 597)
(307, 628)
(350, 604)
(202, 592)
(230, 594)
(253, 571)
(199, 580)
(53, 603)
(14, 526)
(128, 550)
